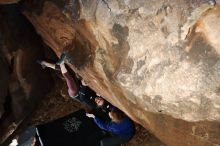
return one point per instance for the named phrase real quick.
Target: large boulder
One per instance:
(157, 60)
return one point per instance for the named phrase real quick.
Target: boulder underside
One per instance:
(157, 60)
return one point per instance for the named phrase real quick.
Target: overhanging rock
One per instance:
(156, 60)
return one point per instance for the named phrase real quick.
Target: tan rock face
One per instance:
(162, 55)
(157, 60)
(150, 58)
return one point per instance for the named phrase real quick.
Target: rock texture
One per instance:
(157, 60)
(163, 55)
(23, 83)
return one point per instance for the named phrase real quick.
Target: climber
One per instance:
(120, 129)
(76, 90)
(80, 92)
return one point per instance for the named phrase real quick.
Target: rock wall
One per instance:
(157, 60)
(23, 83)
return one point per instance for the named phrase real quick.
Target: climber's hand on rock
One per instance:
(84, 83)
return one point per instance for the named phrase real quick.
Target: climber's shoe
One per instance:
(62, 59)
(212, 2)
